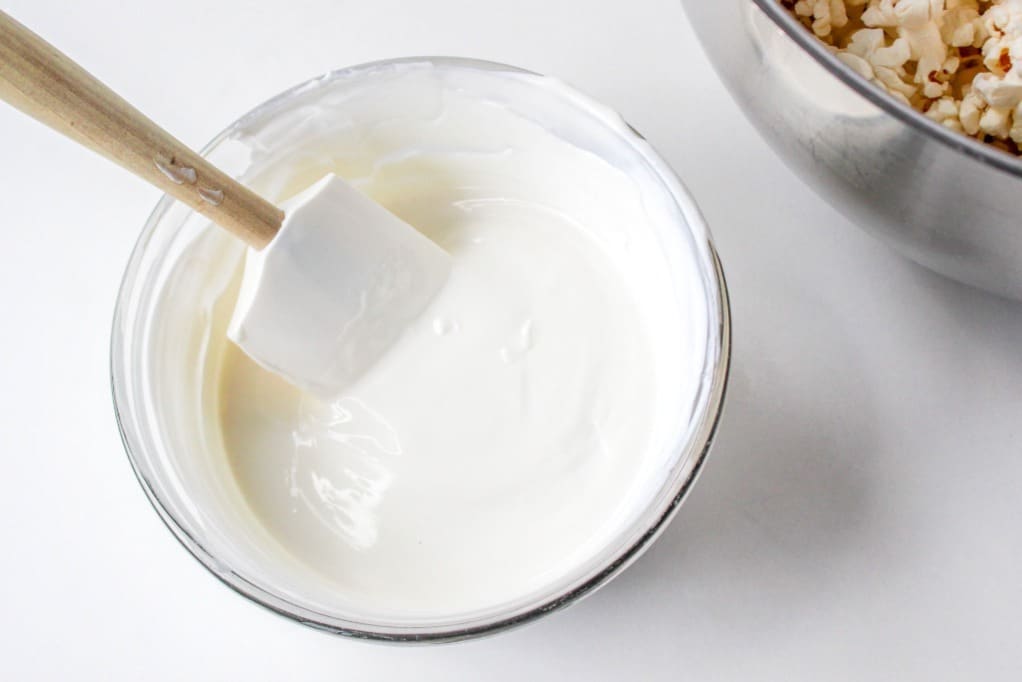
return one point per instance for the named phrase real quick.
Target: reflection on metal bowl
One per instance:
(946, 201)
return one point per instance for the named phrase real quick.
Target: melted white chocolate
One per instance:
(519, 426)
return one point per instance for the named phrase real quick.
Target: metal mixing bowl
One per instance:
(943, 199)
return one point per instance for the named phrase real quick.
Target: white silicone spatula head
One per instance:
(332, 284)
(335, 288)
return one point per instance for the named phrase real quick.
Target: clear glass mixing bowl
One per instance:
(158, 439)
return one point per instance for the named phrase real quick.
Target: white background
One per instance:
(858, 519)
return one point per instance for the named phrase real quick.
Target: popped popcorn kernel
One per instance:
(959, 62)
(969, 111)
(996, 122)
(944, 110)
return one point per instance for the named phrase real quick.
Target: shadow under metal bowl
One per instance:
(947, 201)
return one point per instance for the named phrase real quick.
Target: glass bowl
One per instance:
(164, 444)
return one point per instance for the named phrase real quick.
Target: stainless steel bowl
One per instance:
(946, 201)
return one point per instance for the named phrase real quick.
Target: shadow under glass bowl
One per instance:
(945, 200)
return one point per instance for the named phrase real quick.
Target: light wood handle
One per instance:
(48, 86)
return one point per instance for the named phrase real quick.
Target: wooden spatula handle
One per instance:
(47, 85)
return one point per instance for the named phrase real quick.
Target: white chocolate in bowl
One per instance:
(521, 425)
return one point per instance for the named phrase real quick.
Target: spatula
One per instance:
(331, 278)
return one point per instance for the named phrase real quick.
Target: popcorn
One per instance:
(826, 14)
(957, 61)
(1016, 126)
(962, 25)
(996, 121)
(969, 112)
(1003, 92)
(945, 112)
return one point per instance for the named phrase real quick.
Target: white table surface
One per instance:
(859, 517)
